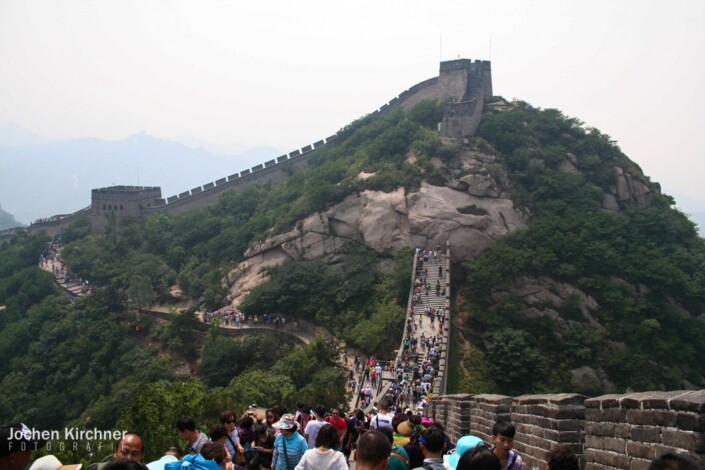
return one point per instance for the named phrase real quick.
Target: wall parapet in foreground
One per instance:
(606, 432)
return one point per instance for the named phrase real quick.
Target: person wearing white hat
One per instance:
(289, 446)
(50, 462)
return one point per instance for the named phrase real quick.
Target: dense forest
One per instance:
(644, 267)
(85, 363)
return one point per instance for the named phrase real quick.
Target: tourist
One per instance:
(338, 423)
(232, 441)
(384, 418)
(314, 425)
(289, 446)
(674, 461)
(479, 458)
(432, 444)
(373, 451)
(324, 455)
(503, 439)
(186, 427)
(561, 458)
(264, 445)
(216, 452)
(129, 447)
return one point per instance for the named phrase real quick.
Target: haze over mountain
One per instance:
(7, 220)
(40, 179)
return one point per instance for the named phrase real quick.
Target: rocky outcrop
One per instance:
(628, 192)
(472, 210)
(543, 296)
(387, 222)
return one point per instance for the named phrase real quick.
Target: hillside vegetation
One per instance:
(643, 270)
(626, 287)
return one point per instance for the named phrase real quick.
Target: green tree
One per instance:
(263, 388)
(514, 363)
(140, 293)
(155, 409)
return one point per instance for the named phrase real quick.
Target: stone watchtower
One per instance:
(470, 85)
(122, 202)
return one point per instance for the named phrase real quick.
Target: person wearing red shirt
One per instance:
(338, 423)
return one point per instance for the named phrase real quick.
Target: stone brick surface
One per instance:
(690, 422)
(609, 432)
(616, 445)
(646, 434)
(637, 449)
(689, 401)
(652, 417)
(690, 441)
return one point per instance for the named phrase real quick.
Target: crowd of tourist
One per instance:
(312, 439)
(230, 317)
(50, 260)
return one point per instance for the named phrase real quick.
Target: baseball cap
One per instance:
(17, 437)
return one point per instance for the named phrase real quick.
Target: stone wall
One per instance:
(628, 431)
(458, 80)
(607, 432)
(439, 384)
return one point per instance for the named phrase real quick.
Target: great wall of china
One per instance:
(464, 84)
(607, 432)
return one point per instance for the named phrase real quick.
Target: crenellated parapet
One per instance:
(606, 432)
(464, 84)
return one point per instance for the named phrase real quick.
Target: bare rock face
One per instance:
(543, 296)
(471, 211)
(387, 222)
(590, 381)
(628, 192)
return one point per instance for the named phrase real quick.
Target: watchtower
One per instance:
(122, 202)
(462, 117)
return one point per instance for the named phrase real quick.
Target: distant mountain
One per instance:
(699, 220)
(7, 220)
(14, 135)
(41, 180)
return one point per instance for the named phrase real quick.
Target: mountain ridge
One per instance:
(46, 179)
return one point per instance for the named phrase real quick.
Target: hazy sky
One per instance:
(231, 75)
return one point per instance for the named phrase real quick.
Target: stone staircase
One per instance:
(429, 300)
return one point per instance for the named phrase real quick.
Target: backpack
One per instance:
(511, 463)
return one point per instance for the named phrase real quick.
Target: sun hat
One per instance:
(464, 444)
(405, 428)
(288, 421)
(49, 462)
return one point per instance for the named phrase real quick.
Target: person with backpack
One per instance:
(503, 439)
(383, 419)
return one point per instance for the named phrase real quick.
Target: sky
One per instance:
(233, 75)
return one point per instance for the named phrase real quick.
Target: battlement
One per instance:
(466, 64)
(606, 432)
(131, 192)
(463, 83)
